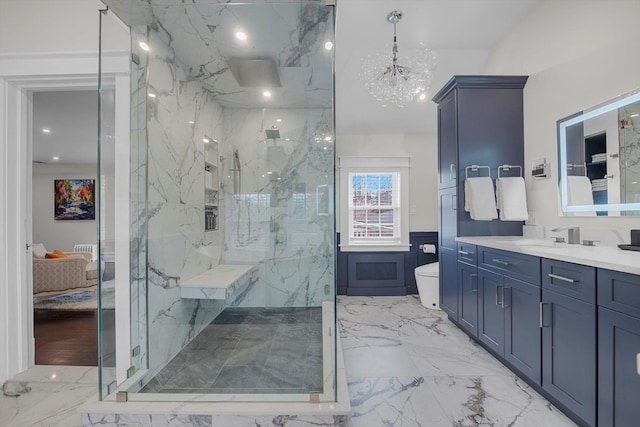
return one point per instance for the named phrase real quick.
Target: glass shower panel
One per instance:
(244, 310)
(105, 215)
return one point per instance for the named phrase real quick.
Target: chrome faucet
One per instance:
(573, 234)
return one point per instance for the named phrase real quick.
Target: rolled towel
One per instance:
(512, 198)
(481, 198)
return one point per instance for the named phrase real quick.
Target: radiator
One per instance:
(91, 248)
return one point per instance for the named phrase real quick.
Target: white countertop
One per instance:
(609, 257)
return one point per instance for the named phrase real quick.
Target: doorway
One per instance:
(64, 172)
(20, 78)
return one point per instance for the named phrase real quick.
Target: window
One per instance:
(374, 204)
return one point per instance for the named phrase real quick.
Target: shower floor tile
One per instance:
(249, 350)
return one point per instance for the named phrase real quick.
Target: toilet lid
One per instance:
(429, 270)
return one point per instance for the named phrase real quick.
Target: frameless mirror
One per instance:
(599, 159)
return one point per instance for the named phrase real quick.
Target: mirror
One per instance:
(599, 159)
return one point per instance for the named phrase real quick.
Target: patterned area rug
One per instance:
(78, 300)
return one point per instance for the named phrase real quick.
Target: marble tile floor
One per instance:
(407, 366)
(410, 366)
(249, 350)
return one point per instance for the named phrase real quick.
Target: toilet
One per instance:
(427, 278)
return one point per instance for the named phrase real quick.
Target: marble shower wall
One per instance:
(630, 153)
(279, 207)
(177, 246)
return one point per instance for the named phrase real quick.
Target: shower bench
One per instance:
(222, 282)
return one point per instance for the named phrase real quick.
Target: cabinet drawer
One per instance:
(467, 253)
(577, 281)
(518, 266)
(619, 291)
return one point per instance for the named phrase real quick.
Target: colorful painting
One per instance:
(74, 199)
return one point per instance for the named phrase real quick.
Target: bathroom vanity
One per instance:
(565, 318)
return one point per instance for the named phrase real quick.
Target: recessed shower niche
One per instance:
(211, 184)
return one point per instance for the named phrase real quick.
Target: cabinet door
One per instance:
(447, 142)
(522, 335)
(618, 369)
(468, 307)
(569, 353)
(449, 284)
(490, 311)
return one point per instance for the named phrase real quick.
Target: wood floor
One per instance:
(70, 338)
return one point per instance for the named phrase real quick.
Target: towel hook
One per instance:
(475, 168)
(506, 168)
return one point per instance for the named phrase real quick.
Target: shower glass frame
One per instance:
(296, 174)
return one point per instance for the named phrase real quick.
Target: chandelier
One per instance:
(391, 80)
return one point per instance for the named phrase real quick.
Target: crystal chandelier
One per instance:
(390, 80)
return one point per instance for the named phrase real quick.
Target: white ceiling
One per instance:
(463, 32)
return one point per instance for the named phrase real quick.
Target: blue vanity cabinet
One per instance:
(568, 321)
(447, 253)
(508, 308)
(467, 288)
(447, 143)
(480, 121)
(618, 348)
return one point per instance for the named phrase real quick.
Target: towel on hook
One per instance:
(480, 198)
(579, 192)
(512, 198)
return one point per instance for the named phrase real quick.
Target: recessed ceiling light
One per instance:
(266, 94)
(241, 35)
(56, 158)
(152, 95)
(324, 148)
(422, 96)
(635, 115)
(206, 140)
(287, 139)
(46, 130)
(327, 138)
(279, 120)
(144, 46)
(191, 122)
(328, 45)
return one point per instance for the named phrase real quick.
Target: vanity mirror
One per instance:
(599, 159)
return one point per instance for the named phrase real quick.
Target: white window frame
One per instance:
(347, 166)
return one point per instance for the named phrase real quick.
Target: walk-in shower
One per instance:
(244, 311)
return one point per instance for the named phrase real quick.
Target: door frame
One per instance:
(21, 75)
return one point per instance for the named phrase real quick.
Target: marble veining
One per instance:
(409, 366)
(482, 394)
(278, 214)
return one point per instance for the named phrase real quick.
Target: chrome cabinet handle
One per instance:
(638, 363)
(498, 289)
(564, 279)
(542, 325)
(461, 252)
(471, 276)
(451, 173)
(499, 261)
(503, 305)
(454, 202)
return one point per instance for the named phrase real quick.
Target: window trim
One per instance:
(348, 165)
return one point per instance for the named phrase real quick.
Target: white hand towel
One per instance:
(481, 198)
(512, 198)
(579, 193)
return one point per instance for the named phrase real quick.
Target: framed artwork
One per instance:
(74, 199)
